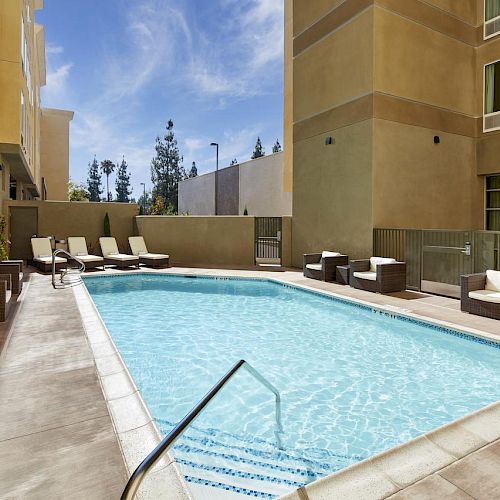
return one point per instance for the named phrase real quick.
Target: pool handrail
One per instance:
(81, 266)
(140, 472)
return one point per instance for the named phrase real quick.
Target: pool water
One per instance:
(353, 382)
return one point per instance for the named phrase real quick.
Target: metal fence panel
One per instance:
(268, 242)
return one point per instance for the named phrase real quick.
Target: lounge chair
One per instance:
(480, 294)
(77, 246)
(112, 255)
(5, 295)
(322, 266)
(15, 269)
(378, 274)
(42, 255)
(138, 247)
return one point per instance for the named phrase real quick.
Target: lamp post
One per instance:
(143, 184)
(216, 177)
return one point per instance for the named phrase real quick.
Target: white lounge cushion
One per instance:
(325, 253)
(137, 245)
(41, 247)
(366, 275)
(314, 267)
(77, 245)
(154, 256)
(90, 258)
(48, 260)
(374, 261)
(485, 296)
(493, 280)
(122, 257)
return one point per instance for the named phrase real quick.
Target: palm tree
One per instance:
(107, 168)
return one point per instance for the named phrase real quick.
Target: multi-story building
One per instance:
(396, 118)
(34, 142)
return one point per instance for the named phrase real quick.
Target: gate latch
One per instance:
(468, 248)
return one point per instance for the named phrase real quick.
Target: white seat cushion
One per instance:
(90, 258)
(154, 256)
(122, 257)
(366, 275)
(48, 260)
(137, 245)
(493, 280)
(77, 245)
(374, 261)
(314, 267)
(485, 296)
(325, 253)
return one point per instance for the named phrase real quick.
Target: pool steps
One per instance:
(249, 466)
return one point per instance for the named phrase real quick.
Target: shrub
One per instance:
(107, 226)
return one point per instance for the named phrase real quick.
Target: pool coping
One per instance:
(378, 476)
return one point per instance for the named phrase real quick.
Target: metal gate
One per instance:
(268, 243)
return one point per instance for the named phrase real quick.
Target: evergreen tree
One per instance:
(277, 147)
(107, 168)
(167, 169)
(122, 183)
(94, 183)
(258, 152)
(194, 171)
(233, 163)
(145, 202)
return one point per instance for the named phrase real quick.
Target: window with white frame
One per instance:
(492, 96)
(491, 18)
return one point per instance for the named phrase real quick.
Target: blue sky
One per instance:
(125, 67)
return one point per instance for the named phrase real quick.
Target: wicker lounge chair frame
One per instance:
(470, 283)
(328, 266)
(390, 277)
(5, 290)
(15, 269)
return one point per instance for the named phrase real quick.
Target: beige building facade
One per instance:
(396, 118)
(34, 151)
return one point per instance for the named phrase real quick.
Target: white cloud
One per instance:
(51, 48)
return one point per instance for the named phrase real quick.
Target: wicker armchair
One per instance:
(473, 283)
(5, 294)
(380, 278)
(321, 268)
(15, 269)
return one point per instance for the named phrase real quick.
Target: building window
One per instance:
(491, 18)
(492, 96)
(493, 203)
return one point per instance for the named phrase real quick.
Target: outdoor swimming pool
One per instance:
(353, 382)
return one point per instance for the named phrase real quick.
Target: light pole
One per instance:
(143, 184)
(216, 176)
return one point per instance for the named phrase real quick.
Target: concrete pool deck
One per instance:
(57, 418)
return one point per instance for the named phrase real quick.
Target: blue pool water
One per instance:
(353, 382)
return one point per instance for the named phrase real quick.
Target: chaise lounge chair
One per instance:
(138, 247)
(5, 295)
(15, 269)
(480, 294)
(112, 255)
(77, 246)
(378, 274)
(322, 266)
(42, 255)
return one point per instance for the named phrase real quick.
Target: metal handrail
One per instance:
(81, 268)
(138, 475)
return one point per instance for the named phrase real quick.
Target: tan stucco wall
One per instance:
(332, 196)
(54, 152)
(419, 184)
(261, 189)
(63, 219)
(405, 51)
(335, 70)
(288, 99)
(205, 241)
(467, 10)
(307, 12)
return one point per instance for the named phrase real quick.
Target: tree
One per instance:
(107, 168)
(277, 147)
(145, 202)
(94, 183)
(167, 169)
(233, 162)
(106, 225)
(77, 192)
(4, 254)
(258, 152)
(158, 206)
(194, 171)
(122, 183)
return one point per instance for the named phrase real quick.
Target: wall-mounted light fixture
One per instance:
(437, 139)
(329, 141)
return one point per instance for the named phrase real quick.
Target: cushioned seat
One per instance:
(139, 248)
(366, 275)
(42, 255)
(153, 256)
(77, 246)
(113, 256)
(314, 267)
(485, 296)
(45, 259)
(89, 258)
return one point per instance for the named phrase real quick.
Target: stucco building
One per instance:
(34, 142)
(393, 111)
